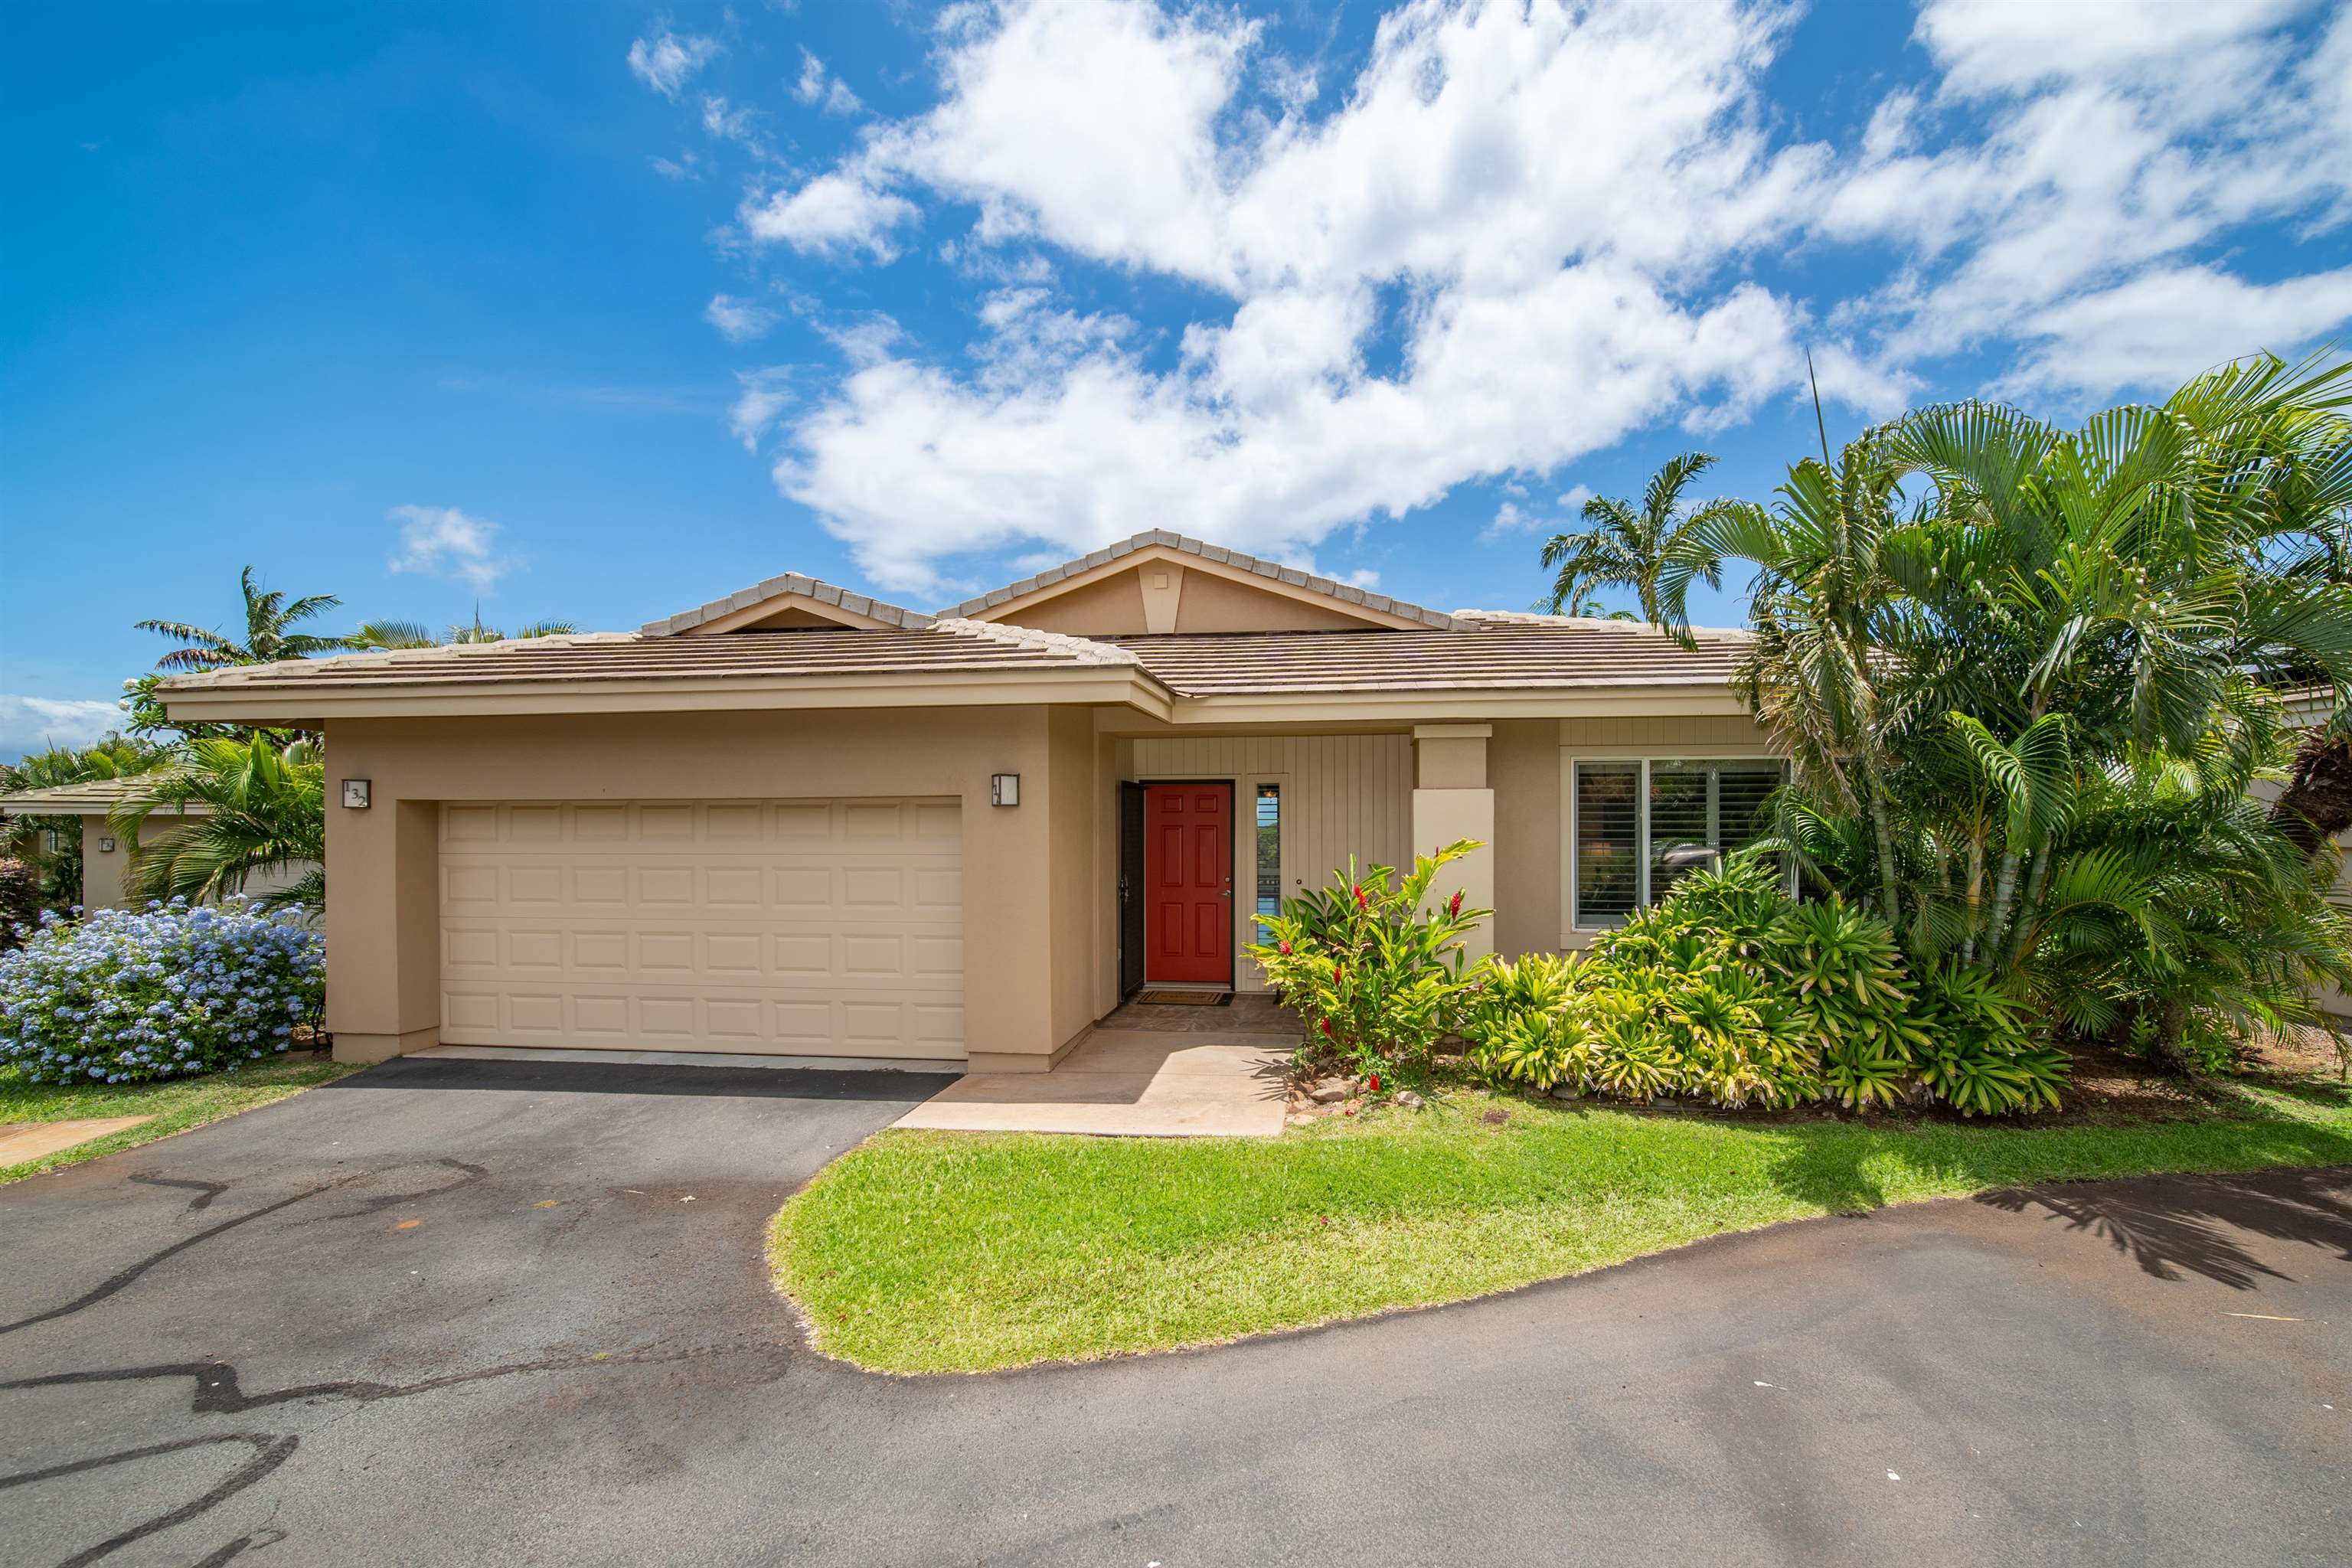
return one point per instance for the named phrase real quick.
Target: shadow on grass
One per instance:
(2294, 1186)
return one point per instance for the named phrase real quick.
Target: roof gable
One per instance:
(790, 603)
(1160, 582)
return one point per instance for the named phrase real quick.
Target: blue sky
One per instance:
(598, 311)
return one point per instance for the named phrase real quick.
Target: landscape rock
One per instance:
(1330, 1091)
(1409, 1100)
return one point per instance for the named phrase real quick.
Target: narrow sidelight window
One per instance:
(1269, 856)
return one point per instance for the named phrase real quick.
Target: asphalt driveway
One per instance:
(458, 1312)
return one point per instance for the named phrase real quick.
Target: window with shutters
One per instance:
(1640, 826)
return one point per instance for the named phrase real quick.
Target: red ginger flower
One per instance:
(1453, 906)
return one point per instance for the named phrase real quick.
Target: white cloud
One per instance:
(668, 61)
(1514, 520)
(442, 541)
(29, 724)
(1520, 233)
(729, 123)
(760, 397)
(2160, 327)
(2119, 137)
(739, 320)
(821, 89)
(836, 214)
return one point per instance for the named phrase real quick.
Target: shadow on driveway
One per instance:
(596, 1078)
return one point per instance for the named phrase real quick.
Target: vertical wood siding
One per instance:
(1341, 795)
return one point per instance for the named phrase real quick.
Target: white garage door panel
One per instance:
(819, 928)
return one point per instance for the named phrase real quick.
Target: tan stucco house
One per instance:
(799, 821)
(106, 856)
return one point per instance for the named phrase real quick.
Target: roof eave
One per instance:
(315, 705)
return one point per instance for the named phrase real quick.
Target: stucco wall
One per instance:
(383, 905)
(1213, 604)
(1523, 767)
(104, 872)
(1072, 813)
(1110, 608)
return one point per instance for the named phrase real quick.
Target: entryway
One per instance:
(1186, 875)
(1144, 1071)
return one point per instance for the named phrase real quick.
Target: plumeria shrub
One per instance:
(1375, 966)
(1733, 992)
(122, 997)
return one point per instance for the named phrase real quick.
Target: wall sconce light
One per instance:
(355, 794)
(1005, 789)
(105, 846)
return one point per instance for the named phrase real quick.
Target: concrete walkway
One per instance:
(1144, 1071)
(21, 1142)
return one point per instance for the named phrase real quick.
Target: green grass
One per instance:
(925, 1252)
(176, 1106)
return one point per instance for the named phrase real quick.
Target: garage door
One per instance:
(801, 927)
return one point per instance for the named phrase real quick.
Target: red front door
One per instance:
(1188, 883)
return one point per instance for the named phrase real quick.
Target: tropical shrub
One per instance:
(1731, 991)
(1378, 977)
(263, 799)
(20, 899)
(125, 998)
(1973, 1050)
(2026, 677)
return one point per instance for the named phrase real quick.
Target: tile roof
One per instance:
(1488, 650)
(85, 798)
(1505, 652)
(1345, 593)
(942, 648)
(816, 588)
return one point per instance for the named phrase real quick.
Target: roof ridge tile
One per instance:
(1084, 649)
(1223, 555)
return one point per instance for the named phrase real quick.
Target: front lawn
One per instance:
(959, 1252)
(175, 1104)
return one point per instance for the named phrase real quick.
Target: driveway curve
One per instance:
(458, 1311)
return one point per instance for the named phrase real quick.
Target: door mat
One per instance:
(1163, 998)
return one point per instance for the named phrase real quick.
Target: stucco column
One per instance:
(104, 871)
(383, 917)
(1451, 799)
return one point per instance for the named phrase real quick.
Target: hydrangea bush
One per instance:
(125, 997)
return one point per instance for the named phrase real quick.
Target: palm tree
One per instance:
(396, 635)
(1813, 675)
(1626, 546)
(266, 811)
(267, 616)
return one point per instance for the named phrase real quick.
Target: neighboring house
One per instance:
(2308, 709)
(801, 821)
(105, 858)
